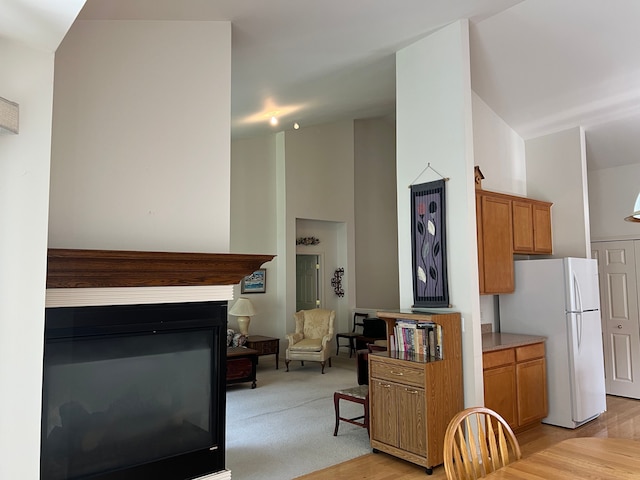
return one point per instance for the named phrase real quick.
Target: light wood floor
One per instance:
(621, 420)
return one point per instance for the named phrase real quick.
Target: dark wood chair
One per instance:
(356, 330)
(372, 329)
(359, 394)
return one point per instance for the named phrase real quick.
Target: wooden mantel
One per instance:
(121, 268)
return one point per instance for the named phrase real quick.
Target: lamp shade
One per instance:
(242, 308)
(635, 216)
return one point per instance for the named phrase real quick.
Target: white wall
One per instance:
(500, 153)
(254, 223)
(141, 137)
(557, 172)
(376, 220)
(434, 124)
(612, 194)
(26, 77)
(498, 150)
(318, 173)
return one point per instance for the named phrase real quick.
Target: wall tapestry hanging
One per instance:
(428, 244)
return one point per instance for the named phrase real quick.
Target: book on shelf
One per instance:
(418, 337)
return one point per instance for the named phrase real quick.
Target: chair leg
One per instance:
(336, 405)
(322, 363)
(366, 414)
(302, 362)
(330, 361)
(286, 362)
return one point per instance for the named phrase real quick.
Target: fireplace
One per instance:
(134, 391)
(134, 363)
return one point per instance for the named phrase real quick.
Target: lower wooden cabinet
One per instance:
(398, 415)
(515, 384)
(500, 392)
(412, 397)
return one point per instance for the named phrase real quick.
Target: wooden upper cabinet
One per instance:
(522, 226)
(531, 226)
(495, 244)
(542, 228)
(508, 224)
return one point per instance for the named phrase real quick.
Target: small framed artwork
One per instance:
(255, 283)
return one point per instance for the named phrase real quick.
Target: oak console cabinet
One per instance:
(515, 384)
(412, 398)
(508, 224)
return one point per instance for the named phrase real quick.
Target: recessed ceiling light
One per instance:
(296, 126)
(273, 121)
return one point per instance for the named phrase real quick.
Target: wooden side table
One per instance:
(241, 365)
(264, 345)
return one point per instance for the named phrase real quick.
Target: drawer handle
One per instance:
(398, 374)
(385, 385)
(412, 392)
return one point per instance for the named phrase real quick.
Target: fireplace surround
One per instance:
(134, 386)
(134, 391)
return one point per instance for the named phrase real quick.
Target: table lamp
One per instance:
(243, 309)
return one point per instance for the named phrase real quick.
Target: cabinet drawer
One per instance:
(264, 348)
(530, 351)
(397, 373)
(498, 358)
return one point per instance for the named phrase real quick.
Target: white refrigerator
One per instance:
(559, 299)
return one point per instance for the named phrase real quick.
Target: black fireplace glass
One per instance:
(128, 387)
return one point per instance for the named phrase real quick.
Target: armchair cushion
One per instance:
(308, 345)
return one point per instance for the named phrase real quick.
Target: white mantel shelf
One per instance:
(84, 297)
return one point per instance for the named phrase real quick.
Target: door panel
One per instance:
(307, 271)
(618, 264)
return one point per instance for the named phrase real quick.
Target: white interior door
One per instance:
(618, 264)
(307, 285)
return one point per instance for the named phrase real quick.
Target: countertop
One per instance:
(499, 341)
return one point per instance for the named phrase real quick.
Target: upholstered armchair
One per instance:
(314, 331)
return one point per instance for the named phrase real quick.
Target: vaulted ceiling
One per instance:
(541, 65)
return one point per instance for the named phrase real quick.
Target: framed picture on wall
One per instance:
(429, 245)
(255, 283)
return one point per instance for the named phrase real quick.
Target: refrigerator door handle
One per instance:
(576, 290)
(579, 328)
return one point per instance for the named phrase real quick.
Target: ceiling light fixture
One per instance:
(635, 216)
(273, 121)
(296, 126)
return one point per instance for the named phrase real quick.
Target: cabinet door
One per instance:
(522, 226)
(500, 392)
(531, 380)
(543, 242)
(412, 421)
(497, 245)
(383, 416)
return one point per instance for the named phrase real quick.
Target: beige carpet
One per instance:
(284, 428)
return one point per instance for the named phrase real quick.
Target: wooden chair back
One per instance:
(477, 442)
